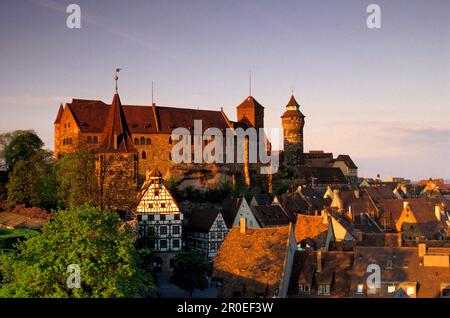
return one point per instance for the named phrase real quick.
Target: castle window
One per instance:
(89, 140)
(163, 230)
(156, 192)
(163, 244)
(150, 205)
(64, 141)
(170, 140)
(144, 155)
(170, 156)
(163, 205)
(95, 140)
(149, 142)
(142, 140)
(136, 141)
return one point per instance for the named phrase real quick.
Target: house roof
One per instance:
(423, 210)
(336, 272)
(378, 193)
(293, 203)
(407, 266)
(263, 199)
(255, 259)
(202, 219)
(230, 207)
(91, 115)
(311, 228)
(60, 113)
(270, 215)
(323, 175)
(348, 161)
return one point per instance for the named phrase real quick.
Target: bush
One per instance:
(8, 238)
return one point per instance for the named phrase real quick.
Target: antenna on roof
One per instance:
(152, 93)
(250, 82)
(116, 78)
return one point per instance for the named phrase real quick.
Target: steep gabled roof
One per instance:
(202, 219)
(292, 102)
(270, 215)
(60, 113)
(117, 136)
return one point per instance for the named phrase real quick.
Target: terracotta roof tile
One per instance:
(254, 260)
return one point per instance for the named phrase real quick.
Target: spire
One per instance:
(154, 173)
(292, 102)
(117, 135)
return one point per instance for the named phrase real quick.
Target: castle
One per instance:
(130, 139)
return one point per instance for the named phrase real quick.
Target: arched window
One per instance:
(95, 140)
(148, 142)
(144, 155)
(136, 141)
(142, 140)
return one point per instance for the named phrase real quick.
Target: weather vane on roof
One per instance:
(292, 90)
(116, 78)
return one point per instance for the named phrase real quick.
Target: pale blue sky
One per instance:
(382, 96)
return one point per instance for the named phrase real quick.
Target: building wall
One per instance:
(117, 175)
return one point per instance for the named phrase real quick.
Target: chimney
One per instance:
(115, 141)
(437, 212)
(405, 204)
(324, 217)
(422, 249)
(319, 260)
(243, 225)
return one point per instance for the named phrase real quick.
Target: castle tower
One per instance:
(293, 122)
(117, 161)
(251, 112)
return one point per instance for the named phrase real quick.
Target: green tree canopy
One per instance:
(96, 241)
(30, 182)
(77, 180)
(189, 271)
(21, 147)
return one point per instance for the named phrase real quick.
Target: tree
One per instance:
(22, 147)
(77, 180)
(189, 271)
(5, 139)
(97, 242)
(29, 181)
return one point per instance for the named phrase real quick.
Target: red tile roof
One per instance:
(311, 228)
(252, 262)
(91, 117)
(292, 101)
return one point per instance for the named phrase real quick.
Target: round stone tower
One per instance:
(293, 122)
